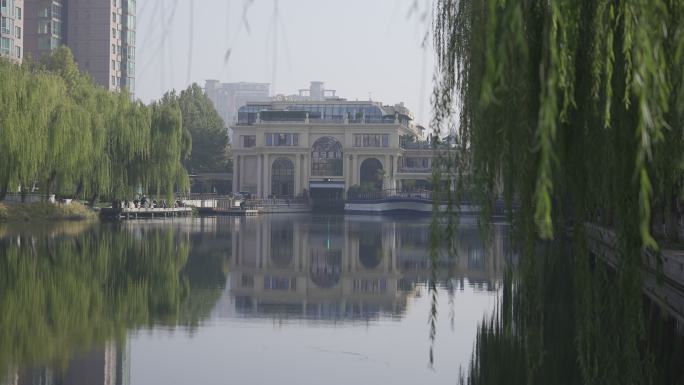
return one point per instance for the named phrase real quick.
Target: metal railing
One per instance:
(418, 170)
(389, 194)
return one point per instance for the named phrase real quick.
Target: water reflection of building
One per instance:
(109, 365)
(346, 268)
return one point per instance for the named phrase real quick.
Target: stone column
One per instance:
(388, 177)
(297, 176)
(349, 172)
(302, 173)
(267, 175)
(307, 170)
(391, 173)
(236, 174)
(260, 179)
(354, 170)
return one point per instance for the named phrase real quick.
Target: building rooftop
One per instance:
(316, 107)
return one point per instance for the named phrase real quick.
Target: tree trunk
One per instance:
(94, 199)
(3, 189)
(48, 185)
(79, 190)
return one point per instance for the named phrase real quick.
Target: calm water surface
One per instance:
(271, 299)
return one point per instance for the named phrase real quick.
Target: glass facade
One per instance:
(329, 112)
(5, 46)
(326, 157)
(371, 140)
(248, 141)
(415, 163)
(127, 35)
(281, 139)
(10, 29)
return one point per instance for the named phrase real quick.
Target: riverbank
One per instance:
(24, 212)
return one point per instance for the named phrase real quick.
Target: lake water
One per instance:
(271, 299)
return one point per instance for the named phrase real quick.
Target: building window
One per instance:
(279, 283)
(113, 17)
(326, 157)
(57, 28)
(43, 43)
(416, 163)
(4, 25)
(18, 32)
(247, 281)
(17, 50)
(56, 11)
(5, 46)
(281, 139)
(43, 27)
(248, 141)
(113, 80)
(371, 140)
(18, 13)
(113, 49)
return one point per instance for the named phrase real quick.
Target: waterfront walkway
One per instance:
(664, 284)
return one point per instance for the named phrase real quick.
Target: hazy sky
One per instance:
(360, 48)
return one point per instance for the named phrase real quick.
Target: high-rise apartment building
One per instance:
(228, 97)
(12, 30)
(100, 33)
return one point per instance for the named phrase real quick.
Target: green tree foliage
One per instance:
(68, 136)
(574, 111)
(576, 107)
(209, 136)
(73, 287)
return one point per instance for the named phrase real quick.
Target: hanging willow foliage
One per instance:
(64, 134)
(573, 112)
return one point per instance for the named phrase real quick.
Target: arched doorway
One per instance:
(282, 178)
(371, 173)
(326, 157)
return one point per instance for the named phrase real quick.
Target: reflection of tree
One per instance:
(60, 294)
(556, 323)
(206, 277)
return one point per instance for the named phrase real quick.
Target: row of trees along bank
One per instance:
(574, 112)
(71, 137)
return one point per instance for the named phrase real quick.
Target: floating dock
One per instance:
(235, 211)
(145, 212)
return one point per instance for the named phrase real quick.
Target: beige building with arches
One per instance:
(289, 148)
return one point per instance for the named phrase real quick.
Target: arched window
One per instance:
(371, 173)
(326, 157)
(282, 178)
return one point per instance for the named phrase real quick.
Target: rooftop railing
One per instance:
(319, 120)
